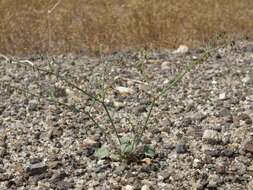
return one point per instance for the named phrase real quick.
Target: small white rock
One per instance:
(128, 187)
(88, 143)
(165, 65)
(181, 50)
(124, 90)
(250, 185)
(196, 163)
(145, 187)
(222, 96)
(247, 80)
(118, 105)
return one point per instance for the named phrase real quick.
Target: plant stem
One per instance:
(172, 83)
(112, 122)
(66, 106)
(63, 79)
(94, 97)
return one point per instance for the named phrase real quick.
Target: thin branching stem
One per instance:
(112, 122)
(64, 105)
(93, 97)
(172, 83)
(63, 79)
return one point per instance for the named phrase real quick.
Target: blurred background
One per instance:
(106, 26)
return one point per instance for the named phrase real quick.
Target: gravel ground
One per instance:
(201, 130)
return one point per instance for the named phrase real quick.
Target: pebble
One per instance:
(247, 145)
(32, 105)
(182, 49)
(238, 167)
(211, 137)
(248, 80)
(250, 185)
(223, 96)
(197, 163)
(64, 185)
(164, 175)
(165, 65)
(210, 150)
(250, 168)
(246, 118)
(118, 105)
(128, 187)
(58, 176)
(145, 187)
(55, 132)
(124, 91)
(181, 148)
(36, 169)
(140, 109)
(199, 116)
(220, 168)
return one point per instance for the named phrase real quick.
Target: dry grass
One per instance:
(108, 25)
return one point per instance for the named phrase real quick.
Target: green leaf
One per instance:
(149, 151)
(126, 148)
(102, 152)
(126, 139)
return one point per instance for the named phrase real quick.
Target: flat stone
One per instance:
(211, 151)
(36, 169)
(213, 181)
(220, 168)
(4, 177)
(165, 65)
(32, 105)
(55, 132)
(181, 148)
(124, 91)
(211, 137)
(54, 164)
(246, 118)
(64, 185)
(128, 187)
(250, 185)
(118, 105)
(248, 80)
(198, 116)
(250, 168)
(140, 109)
(182, 49)
(248, 145)
(58, 176)
(145, 187)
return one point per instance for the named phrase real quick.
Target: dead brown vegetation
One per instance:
(106, 25)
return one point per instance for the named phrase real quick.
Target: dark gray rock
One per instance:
(245, 117)
(181, 148)
(58, 176)
(36, 169)
(55, 132)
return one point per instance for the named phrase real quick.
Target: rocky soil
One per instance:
(201, 130)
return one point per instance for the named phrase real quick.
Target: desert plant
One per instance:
(125, 147)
